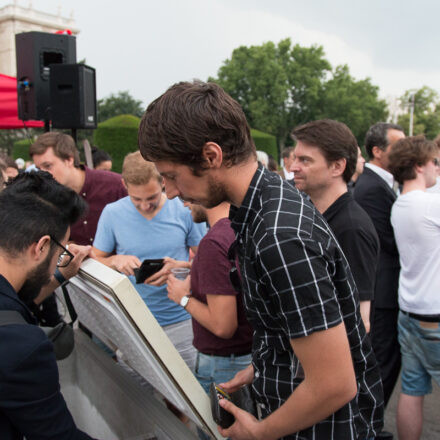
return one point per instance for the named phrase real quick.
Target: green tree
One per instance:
(356, 103)
(278, 86)
(120, 104)
(426, 111)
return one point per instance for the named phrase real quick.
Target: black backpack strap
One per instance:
(8, 317)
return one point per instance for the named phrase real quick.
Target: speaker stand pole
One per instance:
(74, 135)
(46, 125)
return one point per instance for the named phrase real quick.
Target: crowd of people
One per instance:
(317, 284)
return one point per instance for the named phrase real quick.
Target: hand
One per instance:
(245, 427)
(80, 253)
(124, 263)
(161, 277)
(177, 289)
(243, 377)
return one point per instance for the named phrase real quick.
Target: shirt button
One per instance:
(85, 222)
(91, 239)
(84, 194)
(257, 374)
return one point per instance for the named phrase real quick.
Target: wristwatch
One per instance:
(184, 301)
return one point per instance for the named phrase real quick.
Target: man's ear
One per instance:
(40, 249)
(213, 155)
(338, 166)
(123, 183)
(377, 152)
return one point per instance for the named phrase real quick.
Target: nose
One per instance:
(171, 190)
(295, 165)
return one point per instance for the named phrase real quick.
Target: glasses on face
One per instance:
(65, 257)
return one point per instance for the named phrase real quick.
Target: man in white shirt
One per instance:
(286, 172)
(415, 217)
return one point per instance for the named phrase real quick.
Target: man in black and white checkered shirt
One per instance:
(313, 372)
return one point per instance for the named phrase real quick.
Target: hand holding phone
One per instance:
(148, 268)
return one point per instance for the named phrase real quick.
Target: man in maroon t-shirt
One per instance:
(222, 335)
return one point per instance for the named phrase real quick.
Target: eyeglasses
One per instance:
(65, 257)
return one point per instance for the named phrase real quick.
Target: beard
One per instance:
(35, 280)
(198, 214)
(217, 194)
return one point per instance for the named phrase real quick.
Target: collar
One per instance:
(384, 174)
(7, 290)
(336, 206)
(288, 175)
(251, 203)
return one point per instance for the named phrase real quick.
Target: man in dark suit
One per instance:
(375, 193)
(35, 218)
(286, 172)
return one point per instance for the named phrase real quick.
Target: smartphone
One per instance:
(220, 415)
(147, 268)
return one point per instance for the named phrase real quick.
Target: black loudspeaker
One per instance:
(36, 52)
(73, 96)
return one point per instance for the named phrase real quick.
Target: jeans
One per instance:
(219, 369)
(420, 347)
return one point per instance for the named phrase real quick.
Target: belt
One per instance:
(425, 318)
(227, 355)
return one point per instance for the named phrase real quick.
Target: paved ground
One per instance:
(431, 423)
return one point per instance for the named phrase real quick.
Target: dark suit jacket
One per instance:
(31, 403)
(377, 198)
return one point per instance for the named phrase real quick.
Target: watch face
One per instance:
(184, 301)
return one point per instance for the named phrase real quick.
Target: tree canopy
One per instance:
(282, 86)
(120, 104)
(426, 111)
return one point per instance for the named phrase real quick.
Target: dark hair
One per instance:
(35, 204)
(334, 139)
(177, 125)
(377, 136)
(62, 144)
(99, 156)
(272, 165)
(286, 152)
(10, 162)
(408, 152)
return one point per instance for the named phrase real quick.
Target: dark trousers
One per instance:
(386, 348)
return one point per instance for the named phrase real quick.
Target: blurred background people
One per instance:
(101, 160)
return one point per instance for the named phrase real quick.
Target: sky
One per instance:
(144, 46)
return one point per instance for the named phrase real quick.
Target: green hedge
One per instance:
(21, 149)
(265, 142)
(117, 136)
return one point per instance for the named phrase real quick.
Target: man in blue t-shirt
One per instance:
(146, 225)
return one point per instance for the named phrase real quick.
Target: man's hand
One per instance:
(161, 277)
(243, 377)
(80, 253)
(245, 427)
(177, 289)
(124, 263)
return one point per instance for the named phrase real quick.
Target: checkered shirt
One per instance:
(296, 281)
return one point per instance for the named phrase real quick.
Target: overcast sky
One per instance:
(144, 46)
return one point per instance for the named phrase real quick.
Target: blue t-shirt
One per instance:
(121, 228)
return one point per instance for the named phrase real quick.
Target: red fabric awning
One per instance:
(8, 105)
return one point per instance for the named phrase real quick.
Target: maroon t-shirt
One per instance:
(210, 275)
(100, 188)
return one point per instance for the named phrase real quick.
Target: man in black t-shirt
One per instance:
(325, 160)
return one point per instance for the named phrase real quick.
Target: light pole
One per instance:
(411, 114)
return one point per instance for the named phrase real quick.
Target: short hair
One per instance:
(334, 139)
(273, 165)
(377, 136)
(437, 140)
(35, 204)
(99, 156)
(62, 144)
(263, 158)
(137, 171)
(10, 163)
(287, 152)
(408, 152)
(177, 125)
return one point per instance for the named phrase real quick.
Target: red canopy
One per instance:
(8, 105)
